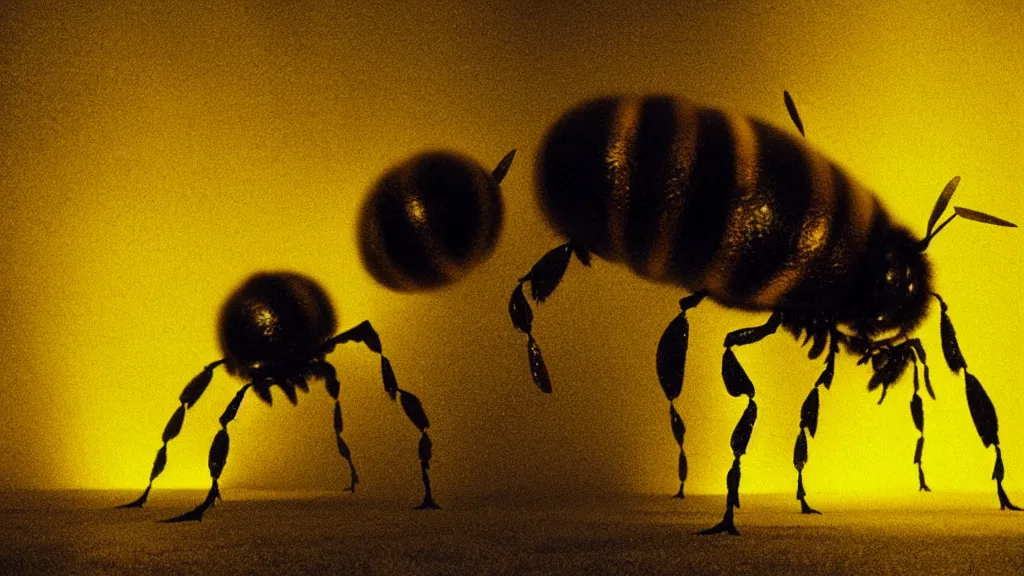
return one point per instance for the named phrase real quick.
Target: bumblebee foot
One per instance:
(725, 526)
(428, 504)
(1004, 501)
(137, 503)
(805, 509)
(196, 515)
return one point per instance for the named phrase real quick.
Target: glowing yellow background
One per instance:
(153, 157)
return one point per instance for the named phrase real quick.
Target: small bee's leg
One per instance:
(737, 383)
(188, 397)
(414, 410)
(671, 363)
(326, 371)
(809, 421)
(365, 333)
(218, 458)
(983, 412)
(544, 277)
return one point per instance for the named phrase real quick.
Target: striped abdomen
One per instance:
(429, 220)
(707, 200)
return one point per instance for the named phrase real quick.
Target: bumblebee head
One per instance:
(898, 284)
(899, 276)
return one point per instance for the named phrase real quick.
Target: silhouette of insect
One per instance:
(733, 209)
(430, 219)
(276, 330)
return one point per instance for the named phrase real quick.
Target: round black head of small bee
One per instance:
(893, 291)
(275, 322)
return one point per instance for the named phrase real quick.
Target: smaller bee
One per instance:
(430, 219)
(736, 210)
(276, 330)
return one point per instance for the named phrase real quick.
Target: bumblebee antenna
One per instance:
(966, 213)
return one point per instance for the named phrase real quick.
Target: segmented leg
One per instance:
(983, 412)
(740, 439)
(889, 362)
(809, 420)
(917, 408)
(188, 397)
(218, 458)
(365, 333)
(544, 277)
(737, 383)
(326, 371)
(671, 364)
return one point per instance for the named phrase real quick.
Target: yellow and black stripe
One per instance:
(429, 220)
(707, 200)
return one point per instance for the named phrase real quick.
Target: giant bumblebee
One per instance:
(276, 330)
(738, 211)
(430, 219)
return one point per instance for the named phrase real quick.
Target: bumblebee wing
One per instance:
(793, 114)
(981, 217)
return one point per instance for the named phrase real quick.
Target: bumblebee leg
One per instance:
(670, 362)
(365, 333)
(917, 410)
(330, 376)
(544, 277)
(218, 457)
(737, 383)
(809, 419)
(188, 397)
(740, 438)
(983, 412)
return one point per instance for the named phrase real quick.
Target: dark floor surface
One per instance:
(260, 533)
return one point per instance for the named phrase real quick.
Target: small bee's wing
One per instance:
(793, 114)
(502, 169)
(981, 217)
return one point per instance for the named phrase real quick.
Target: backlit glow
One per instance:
(155, 156)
